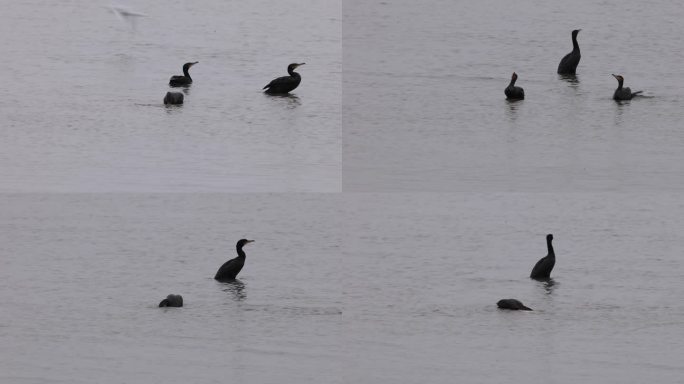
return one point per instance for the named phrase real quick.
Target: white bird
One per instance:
(125, 14)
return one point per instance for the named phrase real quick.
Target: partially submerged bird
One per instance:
(542, 270)
(512, 92)
(173, 98)
(285, 84)
(568, 64)
(623, 93)
(512, 304)
(172, 301)
(185, 79)
(231, 268)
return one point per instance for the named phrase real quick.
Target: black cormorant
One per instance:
(285, 84)
(568, 65)
(623, 93)
(512, 92)
(512, 304)
(172, 301)
(542, 270)
(179, 81)
(232, 267)
(173, 98)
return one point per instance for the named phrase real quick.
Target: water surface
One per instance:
(382, 288)
(424, 108)
(82, 106)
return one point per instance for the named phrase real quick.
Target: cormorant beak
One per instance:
(249, 241)
(191, 64)
(615, 76)
(299, 65)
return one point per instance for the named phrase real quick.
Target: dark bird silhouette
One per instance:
(512, 304)
(623, 93)
(231, 268)
(185, 79)
(172, 301)
(542, 270)
(568, 64)
(285, 84)
(512, 92)
(173, 98)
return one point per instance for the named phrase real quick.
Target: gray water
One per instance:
(424, 108)
(354, 288)
(448, 191)
(82, 97)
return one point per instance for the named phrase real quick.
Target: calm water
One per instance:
(82, 97)
(82, 276)
(341, 288)
(394, 285)
(424, 108)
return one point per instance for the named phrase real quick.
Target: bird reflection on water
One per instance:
(289, 100)
(572, 80)
(549, 284)
(236, 288)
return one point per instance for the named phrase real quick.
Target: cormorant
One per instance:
(179, 81)
(232, 267)
(568, 65)
(512, 92)
(285, 84)
(512, 304)
(623, 93)
(542, 270)
(173, 98)
(172, 301)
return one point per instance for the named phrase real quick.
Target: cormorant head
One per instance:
(619, 78)
(514, 77)
(294, 66)
(549, 237)
(187, 66)
(575, 32)
(241, 243)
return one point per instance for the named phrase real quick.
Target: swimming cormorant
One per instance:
(568, 65)
(173, 98)
(179, 81)
(172, 301)
(623, 93)
(285, 84)
(512, 304)
(542, 270)
(232, 267)
(512, 92)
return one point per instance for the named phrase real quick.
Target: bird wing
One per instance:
(279, 81)
(541, 265)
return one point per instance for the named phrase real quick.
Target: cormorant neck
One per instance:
(512, 82)
(240, 252)
(575, 46)
(292, 73)
(186, 73)
(620, 84)
(550, 247)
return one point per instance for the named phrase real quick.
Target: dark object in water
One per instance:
(285, 84)
(172, 301)
(623, 93)
(512, 304)
(232, 267)
(185, 79)
(542, 270)
(173, 98)
(512, 92)
(568, 64)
